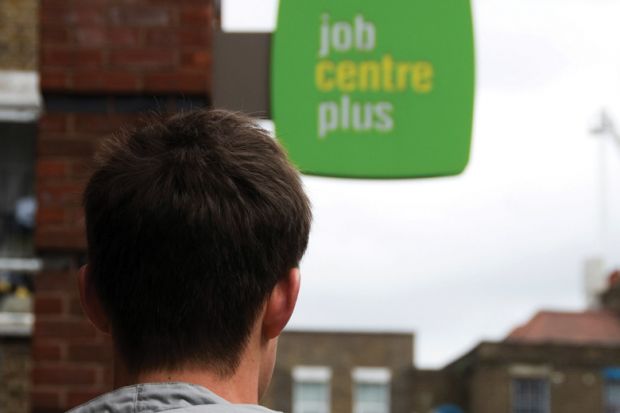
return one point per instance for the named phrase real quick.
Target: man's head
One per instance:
(192, 222)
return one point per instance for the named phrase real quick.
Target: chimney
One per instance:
(610, 298)
(594, 281)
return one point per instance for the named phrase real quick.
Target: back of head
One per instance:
(191, 221)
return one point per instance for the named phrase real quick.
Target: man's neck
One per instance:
(240, 387)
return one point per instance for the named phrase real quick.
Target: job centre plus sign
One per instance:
(370, 89)
(346, 76)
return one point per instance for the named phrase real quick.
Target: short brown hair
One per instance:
(191, 220)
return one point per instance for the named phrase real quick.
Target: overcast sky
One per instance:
(459, 260)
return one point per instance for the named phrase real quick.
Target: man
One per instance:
(196, 225)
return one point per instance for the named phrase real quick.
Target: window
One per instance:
(20, 104)
(311, 389)
(612, 389)
(371, 392)
(612, 397)
(17, 209)
(530, 395)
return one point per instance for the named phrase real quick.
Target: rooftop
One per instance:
(587, 327)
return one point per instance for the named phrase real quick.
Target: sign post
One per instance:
(368, 89)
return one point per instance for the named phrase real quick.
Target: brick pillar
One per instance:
(102, 64)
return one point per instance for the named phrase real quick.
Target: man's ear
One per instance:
(91, 304)
(281, 304)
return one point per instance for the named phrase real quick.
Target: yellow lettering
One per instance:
(323, 68)
(387, 67)
(402, 70)
(422, 77)
(385, 75)
(346, 73)
(369, 76)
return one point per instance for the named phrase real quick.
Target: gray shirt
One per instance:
(164, 397)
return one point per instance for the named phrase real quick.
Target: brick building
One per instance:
(557, 362)
(342, 372)
(102, 64)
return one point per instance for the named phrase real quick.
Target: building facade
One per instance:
(558, 362)
(342, 372)
(103, 65)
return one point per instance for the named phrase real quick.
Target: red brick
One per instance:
(53, 80)
(47, 4)
(197, 59)
(45, 400)
(61, 374)
(161, 37)
(46, 304)
(75, 307)
(71, 14)
(66, 239)
(66, 194)
(198, 36)
(139, 15)
(195, 14)
(53, 13)
(56, 281)
(64, 147)
(54, 34)
(84, 13)
(90, 36)
(63, 57)
(45, 351)
(47, 168)
(106, 81)
(81, 169)
(123, 37)
(74, 217)
(64, 329)
(53, 122)
(195, 36)
(99, 352)
(75, 398)
(50, 216)
(102, 124)
(197, 2)
(60, 191)
(143, 58)
(108, 376)
(176, 82)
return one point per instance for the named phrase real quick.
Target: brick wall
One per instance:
(103, 63)
(574, 374)
(342, 352)
(125, 46)
(71, 360)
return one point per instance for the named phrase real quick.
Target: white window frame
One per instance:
(312, 375)
(371, 375)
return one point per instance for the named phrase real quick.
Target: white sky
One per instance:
(458, 260)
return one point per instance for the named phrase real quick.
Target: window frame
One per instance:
(380, 376)
(611, 378)
(311, 375)
(545, 395)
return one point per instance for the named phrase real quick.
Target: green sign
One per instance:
(374, 89)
